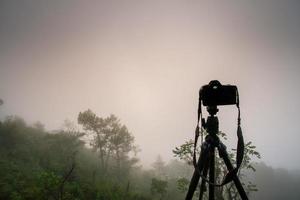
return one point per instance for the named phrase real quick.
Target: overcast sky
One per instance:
(145, 62)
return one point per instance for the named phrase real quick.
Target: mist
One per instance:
(145, 61)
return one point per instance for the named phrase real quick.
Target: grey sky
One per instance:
(145, 62)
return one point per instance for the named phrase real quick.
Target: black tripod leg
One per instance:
(203, 181)
(196, 176)
(211, 195)
(236, 180)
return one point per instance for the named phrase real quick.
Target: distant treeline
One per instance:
(41, 165)
(275, 184)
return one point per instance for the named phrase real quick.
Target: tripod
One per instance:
(206, 162)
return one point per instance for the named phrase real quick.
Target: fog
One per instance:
(145, 61)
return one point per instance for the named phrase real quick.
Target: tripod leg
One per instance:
(236, 180)
(211, 195)
(196, 176)
(203, 182)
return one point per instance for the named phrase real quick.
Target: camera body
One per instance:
(215, 94)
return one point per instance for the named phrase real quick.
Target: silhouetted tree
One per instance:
(110, 139)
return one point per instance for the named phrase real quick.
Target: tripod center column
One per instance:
(212, 125)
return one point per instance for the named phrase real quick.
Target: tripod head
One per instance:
(212, 110)
(212, 123)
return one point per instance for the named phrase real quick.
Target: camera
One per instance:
(215, 94)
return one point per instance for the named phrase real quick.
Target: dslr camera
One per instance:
(215, 94)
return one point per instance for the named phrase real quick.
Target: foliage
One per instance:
(159, 187)
(185, 152)
(36, 164)
(182, 184)
(41, 165)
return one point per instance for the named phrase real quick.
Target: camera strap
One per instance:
(240, 144)
(197, 132)
(240, 147)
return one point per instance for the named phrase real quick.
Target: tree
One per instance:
(36, 164)
(110, 139)
(159, 187)
(185, 153)
(159, 167)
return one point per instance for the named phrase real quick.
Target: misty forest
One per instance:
(97, 158)
(149, 100)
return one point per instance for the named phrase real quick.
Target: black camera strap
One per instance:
(240, 144)
(197, 132)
